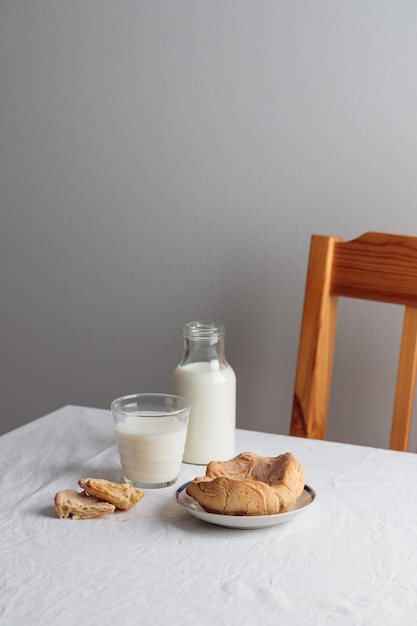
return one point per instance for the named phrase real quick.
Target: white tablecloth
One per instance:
(350, 558)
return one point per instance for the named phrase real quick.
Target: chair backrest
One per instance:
(376, 266)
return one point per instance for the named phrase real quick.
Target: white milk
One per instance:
(211, 390)
(151, 448)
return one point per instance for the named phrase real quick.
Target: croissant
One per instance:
(249, 484)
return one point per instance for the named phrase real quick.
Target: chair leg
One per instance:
(315, 356)
(406, 381)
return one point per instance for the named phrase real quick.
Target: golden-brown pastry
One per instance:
(122, 496)
(71, 503)
(250, 485)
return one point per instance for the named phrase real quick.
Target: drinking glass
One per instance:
(151, 430)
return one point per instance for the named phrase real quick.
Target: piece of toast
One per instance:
(71, 503)
(122, 496)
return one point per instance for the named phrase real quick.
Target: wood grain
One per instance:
(376, 266)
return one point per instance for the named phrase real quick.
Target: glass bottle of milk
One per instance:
(208, 382)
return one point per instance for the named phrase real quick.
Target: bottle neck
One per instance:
(204, 342)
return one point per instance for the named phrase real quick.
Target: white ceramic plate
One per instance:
(244, 521)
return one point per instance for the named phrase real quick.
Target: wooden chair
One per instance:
(375, 266)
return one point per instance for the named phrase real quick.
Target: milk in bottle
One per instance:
(208, 382)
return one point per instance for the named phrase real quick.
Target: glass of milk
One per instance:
(151, 429)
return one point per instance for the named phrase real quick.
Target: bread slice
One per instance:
(122, 496)
(250, 484)
(71, 503)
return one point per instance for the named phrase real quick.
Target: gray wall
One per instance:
(167, 161)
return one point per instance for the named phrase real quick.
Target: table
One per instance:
(350, 558)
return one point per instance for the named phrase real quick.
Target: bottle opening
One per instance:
(204, 330)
